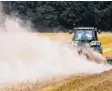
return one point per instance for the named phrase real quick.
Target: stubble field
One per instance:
(104, 38)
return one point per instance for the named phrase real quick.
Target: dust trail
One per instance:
(24, 55)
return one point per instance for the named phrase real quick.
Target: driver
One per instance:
(83, 36)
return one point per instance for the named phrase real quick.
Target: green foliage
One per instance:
(110, 61)
(54, 13)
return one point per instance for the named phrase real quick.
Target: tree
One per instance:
(54, 13)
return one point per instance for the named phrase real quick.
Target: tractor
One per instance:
(86, 37)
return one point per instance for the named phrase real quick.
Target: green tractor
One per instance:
(86, 37)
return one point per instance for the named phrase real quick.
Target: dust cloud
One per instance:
(24, 55)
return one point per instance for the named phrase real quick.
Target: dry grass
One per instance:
(105, 38)
(95, 82)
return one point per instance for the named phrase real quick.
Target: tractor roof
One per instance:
(91, 28)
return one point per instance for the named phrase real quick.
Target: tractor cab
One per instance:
(86, 36)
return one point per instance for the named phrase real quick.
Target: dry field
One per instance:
(95, 82)
(105, 38)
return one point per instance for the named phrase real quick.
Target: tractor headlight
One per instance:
(87, 44)
(75, 43)
(94, 43)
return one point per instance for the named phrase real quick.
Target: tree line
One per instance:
(52, 14)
